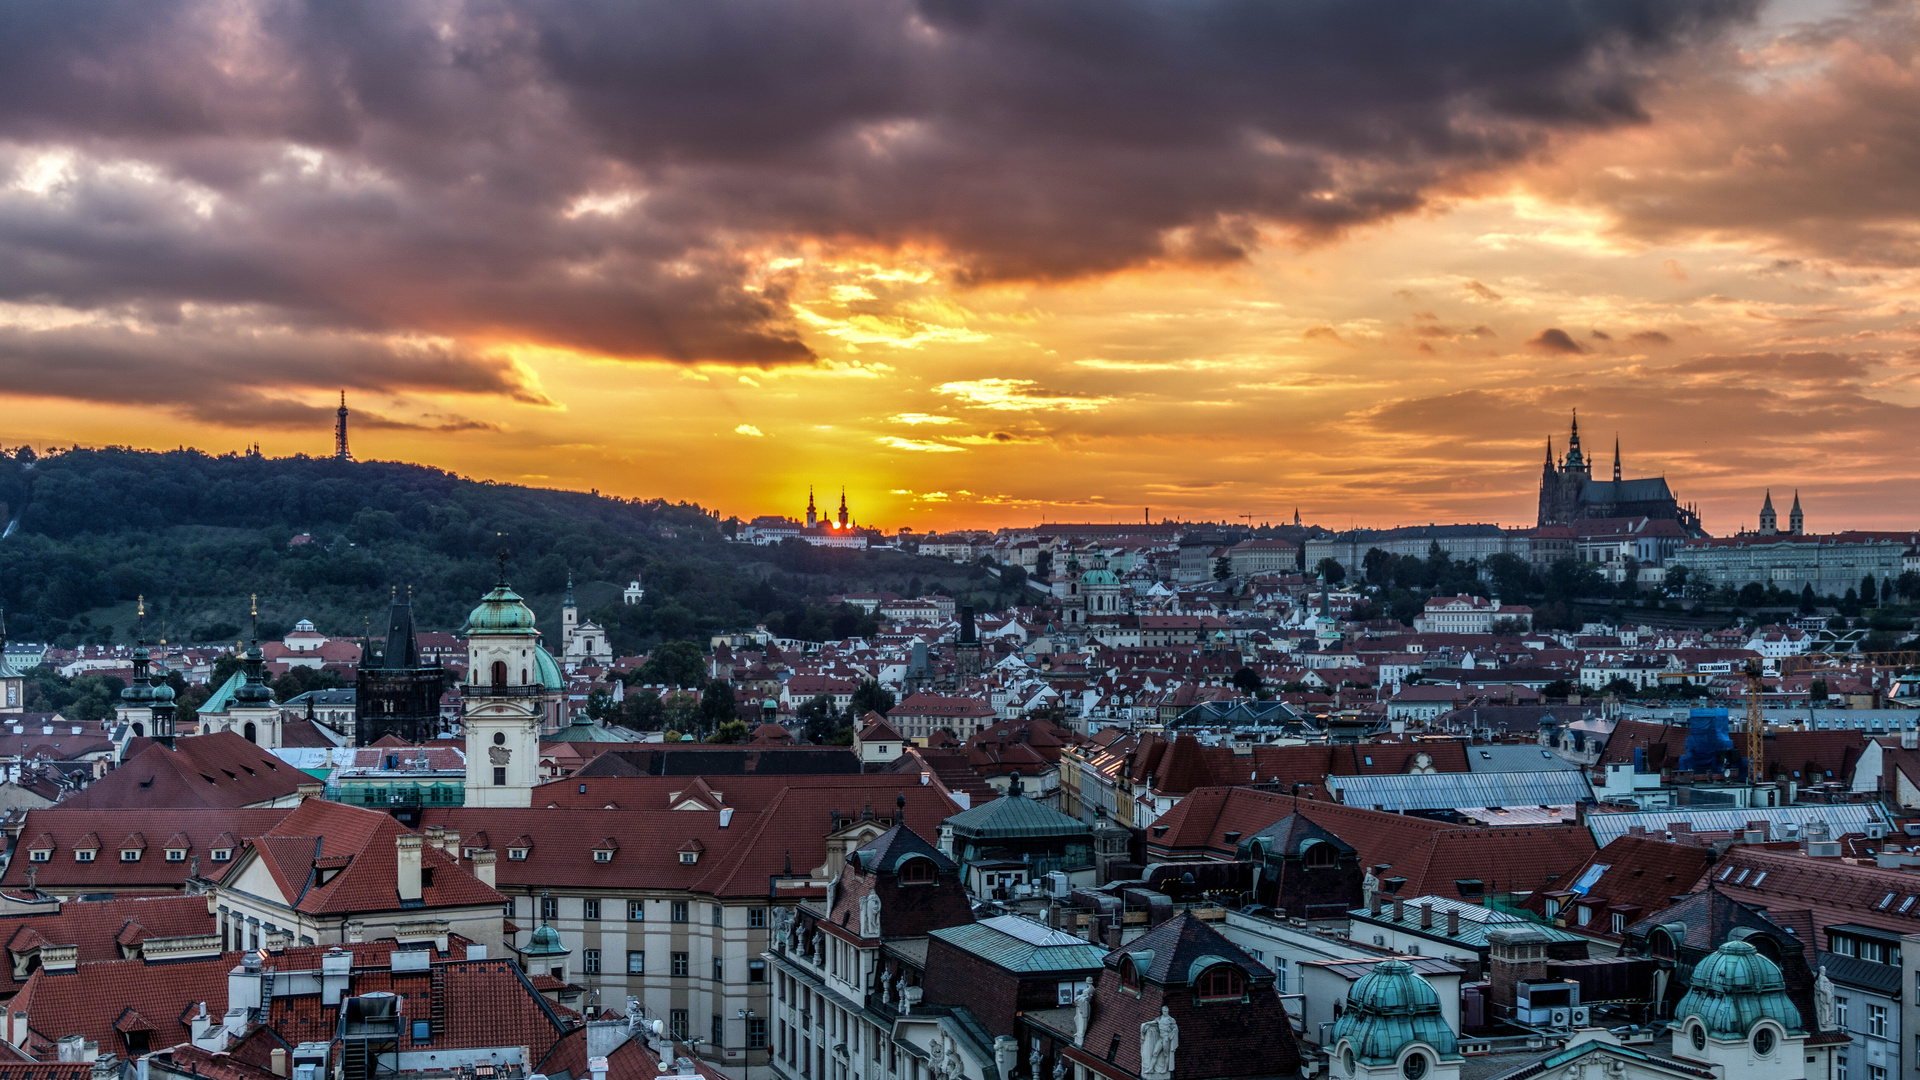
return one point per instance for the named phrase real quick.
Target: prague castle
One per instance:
(1569, 492)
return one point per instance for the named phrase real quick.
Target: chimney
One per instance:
(484, 865)
(450, 843)
(1378, 901)
(310, 791)
(277, 1060)
(1399, 909)
(436, 836)
(1426, 916)
(243, 983)
(1453, 922)
(408, 846)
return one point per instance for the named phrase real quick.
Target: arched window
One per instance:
(1660, 943)
(140, 730)
(918, 872)
(1221, 982)
(523, 676)
(1129, 975)
(1319, 855)
(499, 673)
(251, 732)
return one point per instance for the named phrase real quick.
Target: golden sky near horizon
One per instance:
(1727, 285)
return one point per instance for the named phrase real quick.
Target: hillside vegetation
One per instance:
(90, 530)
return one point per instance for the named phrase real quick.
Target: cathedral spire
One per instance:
(1769, 521)
(1796, 523)
(1616, 457)
(1549, 451)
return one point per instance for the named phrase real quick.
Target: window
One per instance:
(602, 854)
(590, 961)
(636, 910)
(549, 908)
(1840, 1011)
(756, 971)
(918, 872)
(83, 855)
(175, 854)
(716, 914)
(422, 1031)
(499, 776)
(1840, 1067)
(679, 965)
(688, 858)
(1222, 982)
(1319, 856)
(130, 855)
(1763, 1041)
(39, 855)
(1065, 992)
(1619, 923)
(1876, 1072)
(1877, 1020)
(636, 962)
(590, 909)
(719, 970)
(1414, 1067)
(757, 918)
(679, 911)
(516, 854)
(677, 1024)
(719, 1032)
(757, 1033)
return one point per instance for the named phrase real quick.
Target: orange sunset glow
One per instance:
(985, 264)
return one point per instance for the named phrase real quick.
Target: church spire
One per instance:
(813, 517)
(1616, 457)
(1796, 523)
(1769, 521)
(1549, 451)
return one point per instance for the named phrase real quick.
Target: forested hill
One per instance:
(89, 530)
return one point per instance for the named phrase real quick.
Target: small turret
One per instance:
(1769, 521)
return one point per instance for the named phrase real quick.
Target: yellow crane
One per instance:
(1756, 742)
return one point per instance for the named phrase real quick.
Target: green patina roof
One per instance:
(222, 699)
(1022, 945)
(1013, 816)
(545, 942)
(1389, 1008)
(547, 669)
(501, 611)
(1735, 988)
(582, 731)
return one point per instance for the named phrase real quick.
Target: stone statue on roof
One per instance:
(870, 915)
(1823, 999)
(1159, 1038)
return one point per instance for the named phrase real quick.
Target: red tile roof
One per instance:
(100, 927)
(205, 830)
(222, 770)
(324, 831)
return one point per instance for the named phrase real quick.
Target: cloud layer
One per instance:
(191, 191)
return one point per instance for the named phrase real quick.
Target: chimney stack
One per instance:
(450, 843)
(408, 847)
(1426, 916)
(484, 866)
(1379, 900)
(1399, 909)
(1453, 922)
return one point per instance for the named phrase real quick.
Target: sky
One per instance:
(983, 262)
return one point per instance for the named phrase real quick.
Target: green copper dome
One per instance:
(501, 612)
(1387, 1009)
(1734, 989)
(547, 670)
(545, 942)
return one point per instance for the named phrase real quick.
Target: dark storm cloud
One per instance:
(603, 176)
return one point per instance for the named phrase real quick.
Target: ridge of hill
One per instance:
(88, 530)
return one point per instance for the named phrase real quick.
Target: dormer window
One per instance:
(83, 855)
(604, 855)
(1130, 976)
(918, 872)
(40, 855)
(176, 854)
(1221, 982)
(516, 854)
(130, 855)
(687, 858)
(222, 854)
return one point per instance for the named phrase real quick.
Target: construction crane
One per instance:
(1756, 743)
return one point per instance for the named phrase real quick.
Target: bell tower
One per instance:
(502, 700)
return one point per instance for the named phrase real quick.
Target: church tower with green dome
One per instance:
(513, 690)
(1737, 1019)
(1393, 1029)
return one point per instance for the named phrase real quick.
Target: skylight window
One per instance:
(1727, 873)
(1589, 877)
(1758, 878)
(1742, 877)
(1905, 904)
(1884, 901)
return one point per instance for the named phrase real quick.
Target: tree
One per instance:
(1676, 582)
(1043, 565)
(1807, 599)
(1908, 585)
(1222, 568)
(1330, 569)
(817, 719)
(223, 669)
(681, 712)
(674, 663)
(600, 707)
(1753, 594)
(731, 731)
(1511, 575)
(868, 697)
(1377, 566)
(1558, 690)
(1817, 690)
(1869, 593)
(1248, 681)
(717, 704)
(643, 711)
